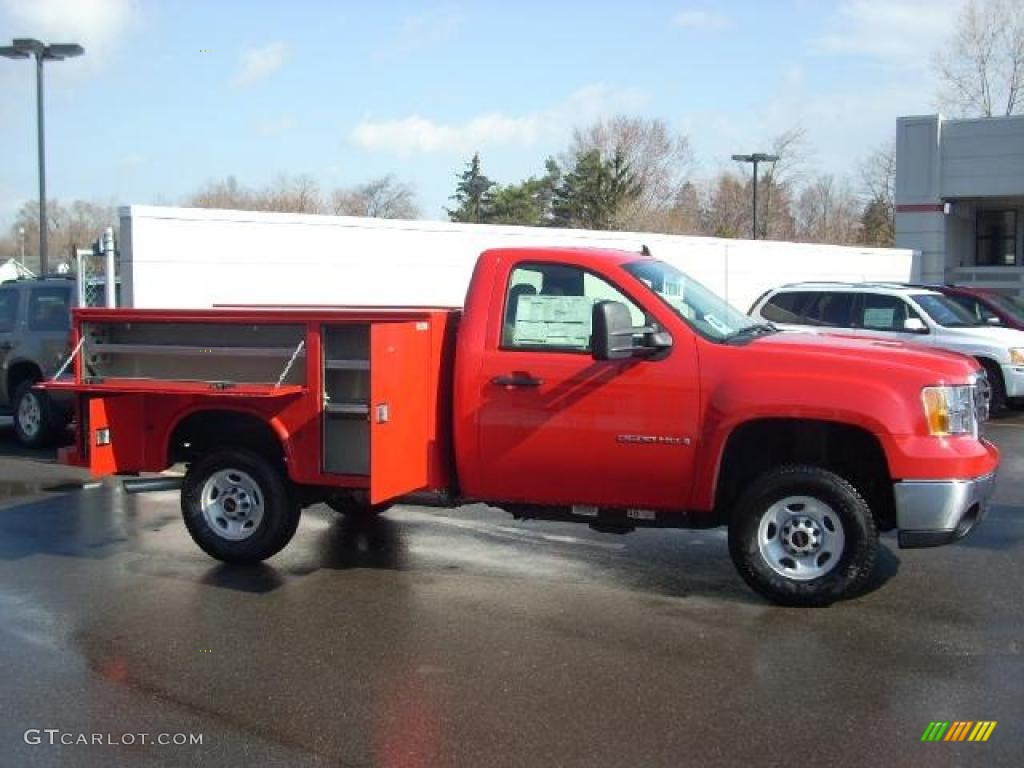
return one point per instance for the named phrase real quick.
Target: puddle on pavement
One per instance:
(15, 490)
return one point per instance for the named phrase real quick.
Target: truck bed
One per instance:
(355, 396)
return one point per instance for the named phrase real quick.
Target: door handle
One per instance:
(517, 380)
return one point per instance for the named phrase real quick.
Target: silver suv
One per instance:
(35, 322)
(901, 313)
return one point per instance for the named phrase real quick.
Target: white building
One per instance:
(960, 198)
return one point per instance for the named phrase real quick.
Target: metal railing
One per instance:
(96, 273)
(1006, 279)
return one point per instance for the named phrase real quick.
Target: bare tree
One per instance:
(727, 208)
(827, 211)
(659, 161)
(286, 194)
(779, 182)
(981, 69)
(71, 225)
(878, 179)
(291, 194)
(382, 198)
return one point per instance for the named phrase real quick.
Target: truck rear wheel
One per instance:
(238, 506)
(803, 536)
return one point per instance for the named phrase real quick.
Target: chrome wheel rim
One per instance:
(801, 538)
(232, 504)
(30, 415)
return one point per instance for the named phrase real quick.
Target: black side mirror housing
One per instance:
(611, 331)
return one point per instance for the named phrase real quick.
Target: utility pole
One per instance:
(754, 159)
(22, 49)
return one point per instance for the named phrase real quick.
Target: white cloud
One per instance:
(702, 20)
(418, 134)
(259, 63)
(98, 25)
(904, 32)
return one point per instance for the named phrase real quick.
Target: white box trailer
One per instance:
(194, 257)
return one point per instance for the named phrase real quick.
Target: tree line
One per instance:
(631, 173)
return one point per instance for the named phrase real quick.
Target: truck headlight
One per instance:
(950, 410)
(1017, 356)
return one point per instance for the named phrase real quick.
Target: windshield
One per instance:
(1011, 305)
(710, 315)
(945, 311)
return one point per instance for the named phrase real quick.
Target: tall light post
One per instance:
(22, 49)
(757, 157)
(21, 237)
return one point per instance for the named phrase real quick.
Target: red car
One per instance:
(986, 304)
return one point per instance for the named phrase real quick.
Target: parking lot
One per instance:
(463, 637)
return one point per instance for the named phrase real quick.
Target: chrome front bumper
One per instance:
(930, 513)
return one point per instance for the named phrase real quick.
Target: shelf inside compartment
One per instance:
(346, 424)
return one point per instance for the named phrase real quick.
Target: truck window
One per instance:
(48, 309)
(8, 309)
(548, 307)
(829, 309)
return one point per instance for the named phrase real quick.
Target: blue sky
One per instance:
(171, 94)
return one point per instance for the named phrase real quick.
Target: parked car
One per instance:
(986, 305)
(35, 320)
(906, 313)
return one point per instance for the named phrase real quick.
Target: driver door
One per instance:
(557, 427)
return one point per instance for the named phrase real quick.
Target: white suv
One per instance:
(904, 313)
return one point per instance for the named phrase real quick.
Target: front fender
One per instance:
(882, 408)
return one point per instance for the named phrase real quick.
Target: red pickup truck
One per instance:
(597, 386)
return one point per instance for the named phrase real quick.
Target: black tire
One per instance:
(844, 571)
(256, 481)
(997, 387)
(35, 420)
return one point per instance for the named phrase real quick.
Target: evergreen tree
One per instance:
(594, 191)
(527, 203)
(472, 195)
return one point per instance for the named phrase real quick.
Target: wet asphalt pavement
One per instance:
(436, 638)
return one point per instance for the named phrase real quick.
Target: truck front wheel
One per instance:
(803, 536)
(238, 506)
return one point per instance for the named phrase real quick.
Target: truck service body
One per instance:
(582, 384)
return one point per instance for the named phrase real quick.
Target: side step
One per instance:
(149, 484)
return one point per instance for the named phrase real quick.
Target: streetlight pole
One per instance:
(22, 49)
(754, 159)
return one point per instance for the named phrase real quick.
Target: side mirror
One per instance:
(611, 331)
(994, 321)
(915, 325)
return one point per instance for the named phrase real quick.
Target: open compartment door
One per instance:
(399, 408)
(112, 435)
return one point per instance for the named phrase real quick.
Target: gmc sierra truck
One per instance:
(597, 386)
